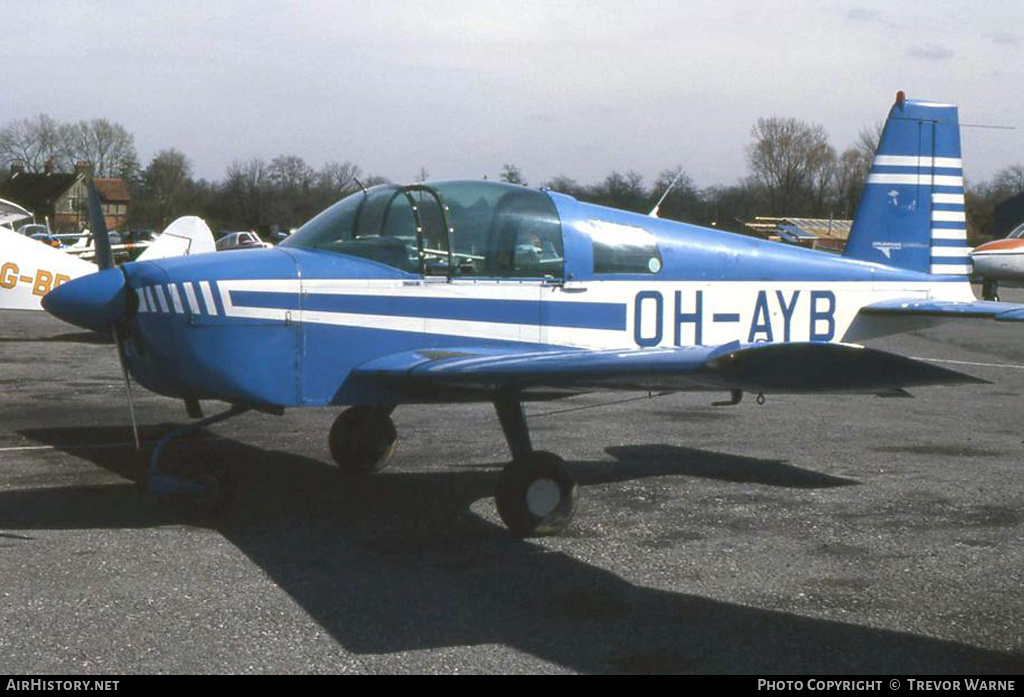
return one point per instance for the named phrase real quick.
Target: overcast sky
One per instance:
(556, 87)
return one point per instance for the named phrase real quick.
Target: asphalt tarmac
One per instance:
(808, 535)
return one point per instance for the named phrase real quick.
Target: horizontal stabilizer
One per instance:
(947, 309)
(770, 368)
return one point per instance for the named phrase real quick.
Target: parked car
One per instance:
(240, 240)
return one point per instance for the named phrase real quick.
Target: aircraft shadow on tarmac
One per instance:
(399, 562)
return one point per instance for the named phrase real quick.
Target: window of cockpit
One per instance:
(502, 230)
(623, 249)
(376, 225)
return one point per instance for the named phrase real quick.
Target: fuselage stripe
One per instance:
(190, 295)
(172, 288)
(159, 290)
(589, 315)
(143, 305)
(152, 301)
(211, 307)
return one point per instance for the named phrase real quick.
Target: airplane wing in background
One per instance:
(761, 368)
(11, 213)
(945, 309)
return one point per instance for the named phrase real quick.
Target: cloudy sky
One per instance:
(557, 87)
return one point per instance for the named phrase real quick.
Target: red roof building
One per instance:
(61, 200)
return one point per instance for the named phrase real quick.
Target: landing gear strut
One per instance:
(990, 289)
(204, 489)
(536, 494)
(363, 439)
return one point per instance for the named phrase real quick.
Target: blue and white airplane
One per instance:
(487, 291)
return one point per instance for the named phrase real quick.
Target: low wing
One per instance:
(768, 368)
(946, 309)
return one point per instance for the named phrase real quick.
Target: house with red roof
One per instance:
(60, 199)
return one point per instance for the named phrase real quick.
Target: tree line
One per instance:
(792, 170)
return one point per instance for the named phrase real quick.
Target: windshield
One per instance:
(455, 228)
(357, 225)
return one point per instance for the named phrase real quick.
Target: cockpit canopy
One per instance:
(453, 228)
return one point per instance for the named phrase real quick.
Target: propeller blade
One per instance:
(98, 225)
(119, 342)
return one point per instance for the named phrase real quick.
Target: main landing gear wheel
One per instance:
(363, 439)
(536, 495)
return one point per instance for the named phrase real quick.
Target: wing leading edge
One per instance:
(767, 368)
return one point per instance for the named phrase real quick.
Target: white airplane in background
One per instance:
(11, 213)
(29, 269)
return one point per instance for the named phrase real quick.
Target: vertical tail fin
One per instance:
(911, 214)
(186, 235)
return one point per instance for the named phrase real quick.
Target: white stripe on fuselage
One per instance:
(744, 311)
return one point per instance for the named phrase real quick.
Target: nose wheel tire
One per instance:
(536, 495)
(214, 495)
(363, 439)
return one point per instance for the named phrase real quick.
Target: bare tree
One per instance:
(335, 179)
(248, 186)
(511, 174)
(790, 158)
(626, 191)
(867, 142)
(108, 147)
(683, 201)
(1007, 183)
(564, 185)
(32, 142)
(165, 187)
(291, 173)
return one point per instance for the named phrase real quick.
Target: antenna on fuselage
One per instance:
(654, 211)
(360, 185)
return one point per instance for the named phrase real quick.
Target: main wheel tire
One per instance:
(536, 496)
(362, 440)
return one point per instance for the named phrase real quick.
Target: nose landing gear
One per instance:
(204, 490)
(990, 289)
